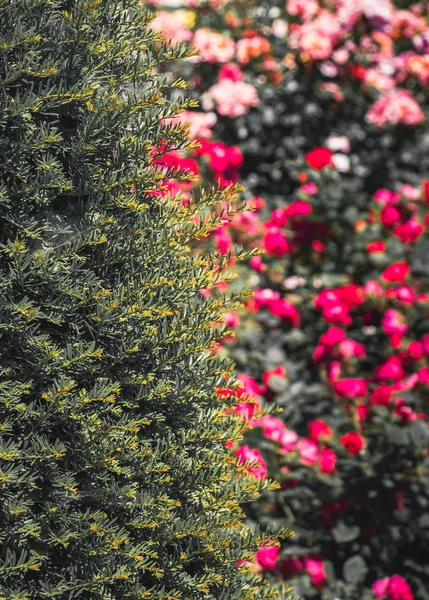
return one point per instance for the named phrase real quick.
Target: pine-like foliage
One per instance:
(114, 477)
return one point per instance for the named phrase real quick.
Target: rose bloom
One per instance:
(233, 98)
(251, 455)
(409, 231)
(318, 158)
(316, 569)
(252, 47)
(393, 588)
(319, 430)
(396, 272)
(200, 124)
(266, 557)
(171, 28)
(308, 451)
(213, 47)
(353, 442)
(276, 243)
(327, 461)
(394, 323)
(351, 388)
(395, 108)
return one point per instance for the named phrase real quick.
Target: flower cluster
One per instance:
(323, 109)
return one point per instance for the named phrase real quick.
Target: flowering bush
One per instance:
(323, 109)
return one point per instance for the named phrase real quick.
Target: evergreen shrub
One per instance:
(115, 477)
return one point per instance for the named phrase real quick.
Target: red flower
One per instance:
(425, 185)
(279, 371)
(409, 232)
(396, 272)
(353, 442)
(318, 158)
(319, 430)
(376, 247)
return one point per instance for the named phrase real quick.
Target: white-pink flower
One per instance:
(171, 27)
(233, 98)
(213, 47)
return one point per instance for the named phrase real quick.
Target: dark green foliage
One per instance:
(114, 478)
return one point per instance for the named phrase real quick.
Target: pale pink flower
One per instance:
(213, 47)
(171, 27)
(308, 451)
(395, 108)
(306, 9)
(233, 98)
(200, 123)
(376, 79)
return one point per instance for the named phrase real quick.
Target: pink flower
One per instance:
(386, 197)
(353, 442)
(395, 108)
(405, 294)
(382, 395)
(390, 216)
(223, 241)
(409, 231)
(332, 337)
(373, 289)
(390, 369)
(308, 451)
(231, 71)
(380, 586)
(276, 243)
(309, 188)
(394, 588)
(394, 323)
(267, 556)
(171, 28)
(318, 37)
(250, 386)
(213, 47)
(348, 348)
(285, 310)
(233, 98)
(305, 9)
(351, 388)
(265, 297)
(337, 314)
(258, 467)
(327, 461)
(272, 428)
(246, 409)
(231, 319)
(316, 569)
(298, 208)
(380, 81)
(200, 124)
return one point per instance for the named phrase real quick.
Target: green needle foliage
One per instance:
(115, 482)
